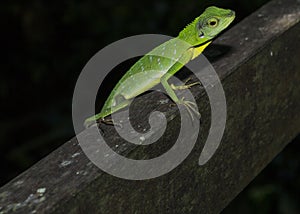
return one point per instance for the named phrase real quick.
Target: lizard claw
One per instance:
(191, 107)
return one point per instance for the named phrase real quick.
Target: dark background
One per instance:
(46, 44)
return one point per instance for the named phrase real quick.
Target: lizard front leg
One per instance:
(190, 106)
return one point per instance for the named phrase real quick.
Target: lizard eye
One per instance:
(213, 22)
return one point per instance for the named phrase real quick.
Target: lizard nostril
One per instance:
(232, 13)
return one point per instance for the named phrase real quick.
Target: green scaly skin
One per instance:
(164, 61)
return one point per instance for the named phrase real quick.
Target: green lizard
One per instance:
(154, 68)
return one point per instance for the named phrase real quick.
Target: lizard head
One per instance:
(208, 25)
(213, 21)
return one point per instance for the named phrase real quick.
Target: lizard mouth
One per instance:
(203, 43)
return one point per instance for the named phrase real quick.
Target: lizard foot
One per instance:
(191, 107)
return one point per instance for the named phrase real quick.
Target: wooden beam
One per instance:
(260, 74)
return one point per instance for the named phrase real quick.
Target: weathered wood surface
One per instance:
(260, 75)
